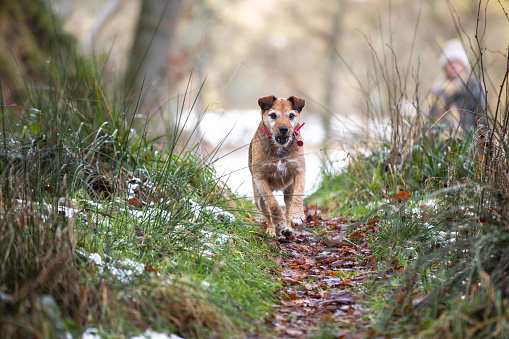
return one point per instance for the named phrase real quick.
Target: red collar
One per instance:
(294, 134)
(270, 137)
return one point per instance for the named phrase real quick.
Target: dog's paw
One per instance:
(287, 232)
(270, 236)
(297, 220)
(271, 232)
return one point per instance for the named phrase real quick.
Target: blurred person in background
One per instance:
(457, 99)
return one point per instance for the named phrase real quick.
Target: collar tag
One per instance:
(296, 132)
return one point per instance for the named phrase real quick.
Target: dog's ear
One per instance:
(265, 103)
(297, 103)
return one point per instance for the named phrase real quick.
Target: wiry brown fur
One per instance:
(277, 165)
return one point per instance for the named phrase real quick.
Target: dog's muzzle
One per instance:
(282, 139)
(283, 136)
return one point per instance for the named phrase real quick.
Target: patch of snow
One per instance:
(199, 209)
(133, 185)
(218, 211)
(68, 211)
(124, 269)
(95, 258)
(149, 334)
(220, 238)
(446, 236)
(147, 213)
(208, 254)
(5, 297)
(91, 333)
(428, 225)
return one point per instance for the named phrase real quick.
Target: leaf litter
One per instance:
(322, 268)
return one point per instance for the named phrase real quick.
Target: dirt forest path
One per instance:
(322, 267)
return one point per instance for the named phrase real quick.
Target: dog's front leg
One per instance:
(263, 207)
(296, 214)
(288, 195)
(275, 213)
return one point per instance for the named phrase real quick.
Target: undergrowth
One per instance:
(105, 231)
(440, 204)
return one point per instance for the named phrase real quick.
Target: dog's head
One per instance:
(281, 117)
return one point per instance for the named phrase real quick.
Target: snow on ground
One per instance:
(124, 269)
(93, 333)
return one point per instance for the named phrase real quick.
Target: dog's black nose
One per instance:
(283, 130)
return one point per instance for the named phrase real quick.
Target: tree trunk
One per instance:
(148, 71)
(332, 61)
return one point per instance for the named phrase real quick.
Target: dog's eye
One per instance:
(292, 116)
(273, 116)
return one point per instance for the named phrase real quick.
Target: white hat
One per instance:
(453, 50)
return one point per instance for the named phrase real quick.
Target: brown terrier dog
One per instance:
(276, 161)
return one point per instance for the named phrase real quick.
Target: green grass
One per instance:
(350, 191)
(443, 251)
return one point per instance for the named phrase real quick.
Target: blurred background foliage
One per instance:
(247, 48)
